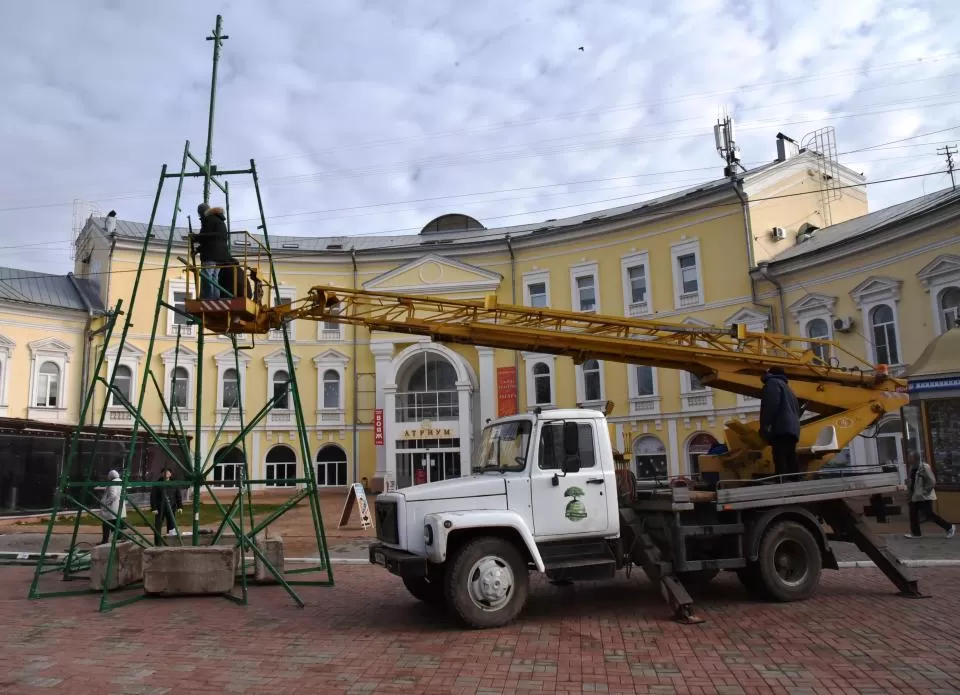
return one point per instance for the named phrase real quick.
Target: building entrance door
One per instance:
(418, 464)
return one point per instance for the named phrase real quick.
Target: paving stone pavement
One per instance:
(367, 635)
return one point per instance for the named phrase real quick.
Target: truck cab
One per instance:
(542, 495)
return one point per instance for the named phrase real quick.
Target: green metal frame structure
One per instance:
(77, 481)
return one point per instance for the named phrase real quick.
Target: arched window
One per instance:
(541, 384)
(231, 388)
(818, 328)
(181, 383)
(48, 386)
(331, 389)
(650, 458)
(592, 387)
(697, 445)
(884, 335)
(427, 389)
(950, 308)
(331, 466)
(281, 466)
(228, 468)
(122, 384)
(281, 389)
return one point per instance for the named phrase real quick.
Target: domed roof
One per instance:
(452, 222)
(942, 356)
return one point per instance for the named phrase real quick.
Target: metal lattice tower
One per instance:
(179, 448)
(823, 144)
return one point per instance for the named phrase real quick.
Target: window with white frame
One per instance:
(542, 384)
(331, 399)
(636, 284)
(536, 289)
(948, 302)
(180, 388)
(48, 386)
(591, 381)
(819, 329)
(281, 389)
(287, 295)
(122, 385)
(228, 467)
(179, 368)
(687, 274)
(643, 390)
(6, 348)
(693, 383)
(330, 331)
(644, 381)
(230, 388)
(540, 380)
(176, 297)
(884, 330)
(331, 389)
(331, 466)
(586, 296)
(232, 384)
(281, 467)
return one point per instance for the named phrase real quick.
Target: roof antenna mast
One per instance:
(217, 39)
(725, 137)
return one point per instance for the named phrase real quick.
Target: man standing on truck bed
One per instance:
(780, 420)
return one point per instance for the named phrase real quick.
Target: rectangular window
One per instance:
(178, 301)
(285, 472)
(551, 446)
(227, 474)
(332, 473)
(644, 381)
(586, 293)
(538, 294)
(638, 283)
(688, 273)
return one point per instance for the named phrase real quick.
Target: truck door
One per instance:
(573, 503)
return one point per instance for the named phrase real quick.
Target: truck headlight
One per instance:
(428, 534)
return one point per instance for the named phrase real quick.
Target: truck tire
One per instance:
(789, 562)
(423, 589)
(487, 582)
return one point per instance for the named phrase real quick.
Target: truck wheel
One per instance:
(790, 562)
(487, 583)
(423, 589)
(749, 576)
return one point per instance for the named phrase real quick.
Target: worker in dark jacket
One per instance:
(164, 503)
(780, 420)
(213, 244)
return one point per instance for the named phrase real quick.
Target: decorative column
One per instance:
(488, 385)
(464, 391)
(382, 354)
(674, 465)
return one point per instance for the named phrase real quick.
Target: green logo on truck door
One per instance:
(575, 511)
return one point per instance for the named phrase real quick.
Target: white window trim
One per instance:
(337, 361)
(644, 308)
(329, 335)
(48, 350)
(940, 274)
(694, 401)
(643, 405)
(584, 270)
(681, 249)
(225, 360)
(870, 294)
(582, 387)
(316, 463)
(186, 331)
(286, 292)
(6, 349)
(530, 359)
(534, 277)
(279, 418)
(131, 358)
(187, 359)
(811, 307)
(295, 463)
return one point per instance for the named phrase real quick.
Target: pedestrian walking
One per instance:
(780, 420)
(113, 512)
(164, 503)
(921, 491)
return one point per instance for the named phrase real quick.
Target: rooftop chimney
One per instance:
(110, 223)
(786, 147)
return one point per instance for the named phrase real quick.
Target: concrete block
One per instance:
(127, 565)
(272, 548)
(188, 570)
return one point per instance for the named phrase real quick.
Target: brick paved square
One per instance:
(366, 635)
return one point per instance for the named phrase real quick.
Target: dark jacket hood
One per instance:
(767, 377)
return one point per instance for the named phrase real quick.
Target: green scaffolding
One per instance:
(77, 480)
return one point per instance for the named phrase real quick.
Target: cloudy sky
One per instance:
(374, 116)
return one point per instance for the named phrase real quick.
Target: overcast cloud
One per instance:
(348, 105)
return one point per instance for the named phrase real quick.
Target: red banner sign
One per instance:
(506, 391)
(378, 427)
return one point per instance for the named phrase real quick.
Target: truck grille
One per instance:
(386, 514)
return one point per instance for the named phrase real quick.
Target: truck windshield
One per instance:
(503, 447)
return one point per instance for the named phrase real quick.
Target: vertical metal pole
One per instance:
(198, 477)
(217, 38)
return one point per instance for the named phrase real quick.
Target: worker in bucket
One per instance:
(780, 420)
(213, 245)
(113, 511)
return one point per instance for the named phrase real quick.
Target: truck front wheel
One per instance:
(789, 563)
(487, 583)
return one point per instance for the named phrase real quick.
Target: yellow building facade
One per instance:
(398, 410)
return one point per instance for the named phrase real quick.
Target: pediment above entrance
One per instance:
(434, 274)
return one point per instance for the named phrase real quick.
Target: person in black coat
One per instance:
(164, 503)
(213, 245)
(780, 420)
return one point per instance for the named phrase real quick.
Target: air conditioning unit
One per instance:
(843, 325)
(778, 234)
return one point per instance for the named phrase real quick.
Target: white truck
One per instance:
(545, 496)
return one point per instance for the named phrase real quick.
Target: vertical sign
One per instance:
(506, 391)
(378, 427)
